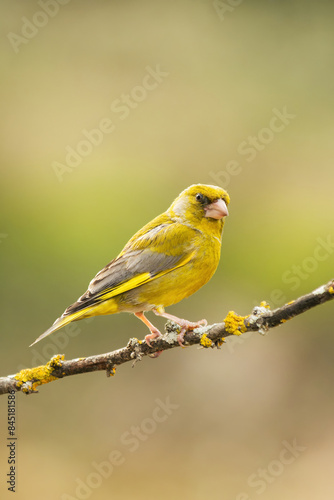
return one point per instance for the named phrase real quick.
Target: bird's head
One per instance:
(201, 206)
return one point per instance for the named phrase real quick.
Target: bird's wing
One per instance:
(158, 248)
(151, 253)
(127, 272)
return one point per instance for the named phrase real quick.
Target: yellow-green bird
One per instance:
(164, 262)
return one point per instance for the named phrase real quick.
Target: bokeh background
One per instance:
(223, 71)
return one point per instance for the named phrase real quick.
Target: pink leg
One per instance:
(183, 323)
(154, 331)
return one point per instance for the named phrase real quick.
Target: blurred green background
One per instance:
(224, 70)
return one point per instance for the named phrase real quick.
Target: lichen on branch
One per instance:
(261, 320)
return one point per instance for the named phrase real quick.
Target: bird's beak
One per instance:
(216, 210)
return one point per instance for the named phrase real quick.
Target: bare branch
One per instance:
(261, 319)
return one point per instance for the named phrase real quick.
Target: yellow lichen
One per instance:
(220, 342)
(265, 304)
(33, 377)
(331, 289)
(283, 320)
(291, 302)
(235, 324)
(205, 341)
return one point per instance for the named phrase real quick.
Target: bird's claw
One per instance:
(153, 335)
(188, 325)
(155, 354)
(180, 337)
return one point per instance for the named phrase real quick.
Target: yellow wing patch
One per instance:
(139, 280)
(125, 287)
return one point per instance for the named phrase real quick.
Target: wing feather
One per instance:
(143, 259)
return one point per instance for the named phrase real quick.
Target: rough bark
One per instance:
(261, 319)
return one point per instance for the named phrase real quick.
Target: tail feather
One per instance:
(62, 321)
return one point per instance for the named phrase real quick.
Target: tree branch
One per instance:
(261, 319)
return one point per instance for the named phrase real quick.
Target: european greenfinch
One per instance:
(164, 262)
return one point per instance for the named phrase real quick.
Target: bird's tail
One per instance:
(62, 321)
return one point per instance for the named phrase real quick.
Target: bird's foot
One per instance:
(153, 335)
(187, 325)
(155, 354)
(154, 331)
(184, 324)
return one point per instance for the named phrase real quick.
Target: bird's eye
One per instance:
(199, 197)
